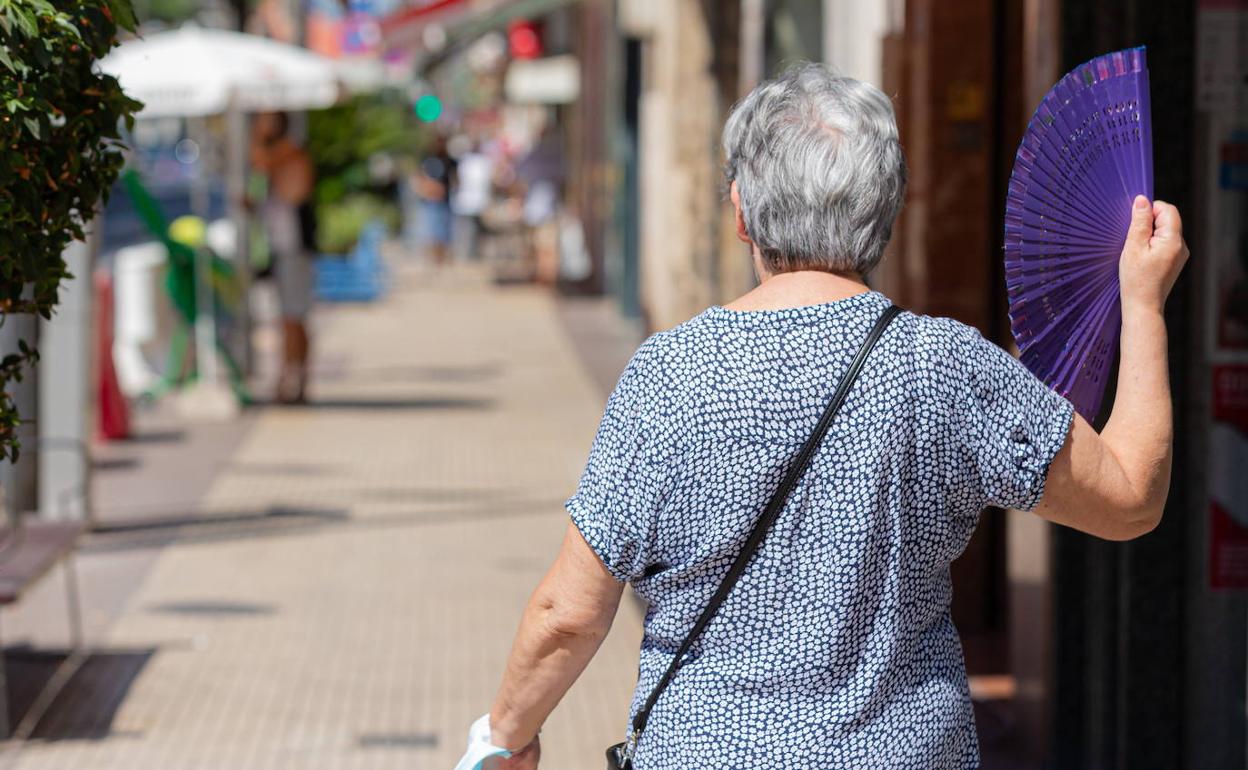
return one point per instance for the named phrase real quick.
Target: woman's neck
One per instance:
(798, 289)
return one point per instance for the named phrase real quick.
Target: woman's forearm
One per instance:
(564, 623)
(1140, 429)
(1114, 485)
(549, 653)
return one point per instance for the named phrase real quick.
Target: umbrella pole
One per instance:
(205, 312)
(207, 399)
(236, 140)
(205, 320)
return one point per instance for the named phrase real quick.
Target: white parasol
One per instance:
(193, 72)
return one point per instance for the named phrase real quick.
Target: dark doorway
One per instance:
(628, 284)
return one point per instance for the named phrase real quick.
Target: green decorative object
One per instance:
(60, 150)
(180, 286)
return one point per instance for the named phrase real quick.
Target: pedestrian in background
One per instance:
(542, 172)
(835, 647)
(473, 193)
(433, 184)
(290, 224)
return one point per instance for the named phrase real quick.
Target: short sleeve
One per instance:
(617, 501)
(1010, 424)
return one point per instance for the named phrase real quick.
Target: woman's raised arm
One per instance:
(1114, 485)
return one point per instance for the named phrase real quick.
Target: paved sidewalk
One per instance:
(349, 588)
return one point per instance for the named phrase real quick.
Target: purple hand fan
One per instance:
(1087, 152)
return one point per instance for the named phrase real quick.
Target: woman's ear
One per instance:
(735, 196)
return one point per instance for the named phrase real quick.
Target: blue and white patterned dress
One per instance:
(836, 648)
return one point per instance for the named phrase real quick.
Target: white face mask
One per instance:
(479, 746)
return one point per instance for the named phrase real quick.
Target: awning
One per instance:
(405, 29)
(461, 22)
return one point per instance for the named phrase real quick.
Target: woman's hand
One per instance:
(1153, 255)
(524, 759)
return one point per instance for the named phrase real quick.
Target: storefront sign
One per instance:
(1221, 27)
(1228, 478)
(553, 80)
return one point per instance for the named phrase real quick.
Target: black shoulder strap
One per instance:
(765, 521)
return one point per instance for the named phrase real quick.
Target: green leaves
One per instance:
(59, 152)
(24, 19)
(8, 63)
(123, 14)
(341, 141)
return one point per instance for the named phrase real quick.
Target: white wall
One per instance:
(853, 31)
(65, 396)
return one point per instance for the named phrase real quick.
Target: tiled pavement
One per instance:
(348, 588)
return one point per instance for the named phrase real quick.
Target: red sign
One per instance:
(524, 40)
(1228, 479)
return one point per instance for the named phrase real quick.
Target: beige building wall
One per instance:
(690, 257)
(680, 172)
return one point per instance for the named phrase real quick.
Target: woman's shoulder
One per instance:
(956, 360)
(943, 337)
(663, 345)
(948, 356)
(659, 370)
(650, 359)
(936, 342)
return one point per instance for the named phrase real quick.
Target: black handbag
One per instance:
(620, 756)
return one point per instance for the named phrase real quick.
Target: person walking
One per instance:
(471, 198)
(831, 644)
(289, 222)
(434, 180)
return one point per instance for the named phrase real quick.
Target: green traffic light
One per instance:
(428, 108)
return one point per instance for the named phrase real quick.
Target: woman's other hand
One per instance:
(1153, 255)
(524, 759)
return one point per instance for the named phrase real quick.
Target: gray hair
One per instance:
(819, 170)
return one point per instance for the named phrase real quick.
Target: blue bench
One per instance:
(360, 277)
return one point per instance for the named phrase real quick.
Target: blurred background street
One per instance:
(335, 347)
(336, 585)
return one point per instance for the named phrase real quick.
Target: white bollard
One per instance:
(137, 273)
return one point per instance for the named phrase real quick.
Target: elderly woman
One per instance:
(835, 648)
